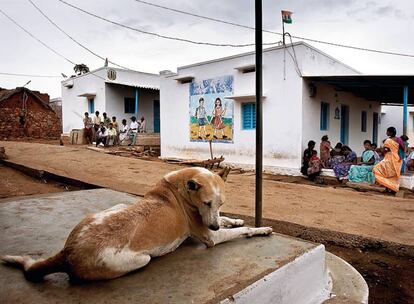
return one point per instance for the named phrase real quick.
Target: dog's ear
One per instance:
(224, 172)
(193, 185)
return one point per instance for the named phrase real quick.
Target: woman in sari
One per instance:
(307, 154)
(325, 148)
(362, 173)
(341, 169)
(336, 156)
(388, 171)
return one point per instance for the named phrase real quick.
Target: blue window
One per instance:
(324, 116)
(129, 105)
(248, 116)
(363, 121)
(91, 105)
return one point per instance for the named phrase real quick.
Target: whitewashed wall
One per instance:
(392, 116)
(73, 106)
(312, 112)
(115, 95)
(282, 108)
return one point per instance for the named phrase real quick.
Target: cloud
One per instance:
(332, 20)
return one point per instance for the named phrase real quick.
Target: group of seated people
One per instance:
(106, 132)
(382, 165)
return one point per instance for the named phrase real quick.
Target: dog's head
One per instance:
(205, 191)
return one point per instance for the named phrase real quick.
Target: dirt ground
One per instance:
(342, 210)
(14, 183)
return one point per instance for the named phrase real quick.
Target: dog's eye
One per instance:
(207, 204)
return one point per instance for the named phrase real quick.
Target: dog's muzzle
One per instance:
(214, 227)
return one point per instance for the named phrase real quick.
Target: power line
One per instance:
(30, 75)
(160, 35)
(73, 39)
(44, 44)
(34, 37)
(273, 32)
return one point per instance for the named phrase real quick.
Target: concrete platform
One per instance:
(406, 180)
(274, 269)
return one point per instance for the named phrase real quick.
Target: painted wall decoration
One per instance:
(211, 115)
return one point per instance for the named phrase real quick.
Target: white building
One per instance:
(303, 100)
(120, 93)
(392, 116)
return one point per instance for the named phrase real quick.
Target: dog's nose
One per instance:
(214, 227)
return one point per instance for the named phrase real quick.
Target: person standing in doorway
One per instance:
(87, 128)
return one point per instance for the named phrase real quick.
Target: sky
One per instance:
(377, 24)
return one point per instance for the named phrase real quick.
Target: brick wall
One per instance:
(38, 122)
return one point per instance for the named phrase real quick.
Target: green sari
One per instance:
(363, 173)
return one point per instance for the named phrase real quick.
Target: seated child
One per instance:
(315, 166)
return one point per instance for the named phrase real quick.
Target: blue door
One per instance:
(375, 122)
(344, 124)
(156, 116)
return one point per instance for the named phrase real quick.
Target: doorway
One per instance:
(344, 124)
(375, 121)
(156, 116)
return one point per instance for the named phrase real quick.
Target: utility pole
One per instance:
(259, 112)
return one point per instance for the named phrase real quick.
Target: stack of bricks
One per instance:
(34, 120)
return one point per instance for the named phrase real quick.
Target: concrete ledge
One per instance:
(348, 286)
(257, 270)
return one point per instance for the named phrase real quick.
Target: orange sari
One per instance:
(387, 172)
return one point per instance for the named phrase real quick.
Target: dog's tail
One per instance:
(35, 270)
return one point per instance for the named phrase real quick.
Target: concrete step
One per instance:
(275, 269)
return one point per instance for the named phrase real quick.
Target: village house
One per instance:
(120, 93)
(306, 94)
(26, 113)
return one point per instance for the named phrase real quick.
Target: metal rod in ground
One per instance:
(211, 148)
(259, 118)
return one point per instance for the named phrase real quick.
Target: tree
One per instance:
(81, 69)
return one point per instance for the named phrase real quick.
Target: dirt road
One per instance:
(14, 183)
(343, 210)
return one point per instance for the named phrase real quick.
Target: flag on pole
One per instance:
(287, 16)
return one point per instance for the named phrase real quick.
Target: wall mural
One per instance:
(211, 115)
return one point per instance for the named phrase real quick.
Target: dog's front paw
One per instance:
(260, 231)
(238, 223)
(265, 230)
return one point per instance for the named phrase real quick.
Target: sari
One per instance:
(325, 148)
(363, 173)
(342, 169)
(388, 171)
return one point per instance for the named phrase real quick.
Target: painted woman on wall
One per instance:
(217, 120)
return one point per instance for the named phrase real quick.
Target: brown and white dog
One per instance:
(123, 238)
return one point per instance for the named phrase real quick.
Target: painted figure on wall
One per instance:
(217, 120)
(201, 115)
(211, 110)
